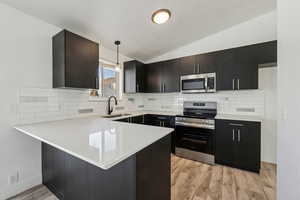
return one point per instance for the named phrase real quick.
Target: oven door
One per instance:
(195, 139)
(193, 83)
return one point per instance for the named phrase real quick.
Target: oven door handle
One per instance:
(192, 125)
(194, 140)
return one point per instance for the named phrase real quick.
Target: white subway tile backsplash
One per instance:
(36, 105)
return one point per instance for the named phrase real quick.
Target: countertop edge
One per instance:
(104, 167)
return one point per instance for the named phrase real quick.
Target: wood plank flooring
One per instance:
(197, 181)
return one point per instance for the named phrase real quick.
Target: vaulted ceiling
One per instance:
(130, 20)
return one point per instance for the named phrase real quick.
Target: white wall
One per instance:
(27, 95)
(288, 99)
(260, 29)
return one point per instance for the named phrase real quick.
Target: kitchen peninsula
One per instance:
(95, 158)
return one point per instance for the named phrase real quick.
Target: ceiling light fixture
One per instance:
(117, 43)
(161, 16)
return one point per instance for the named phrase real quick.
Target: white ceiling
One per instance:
(130, 20)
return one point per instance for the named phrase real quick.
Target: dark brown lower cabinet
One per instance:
(145, 175)
(238, 144)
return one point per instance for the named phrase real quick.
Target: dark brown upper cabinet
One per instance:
(134, 77)
(236, 68)
(188, 65)
(75, 61)
(170, 76)
(163, 77)
(153, 77)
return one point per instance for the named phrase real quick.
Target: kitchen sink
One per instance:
(115, 115)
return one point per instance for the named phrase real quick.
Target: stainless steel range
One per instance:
(195, 131)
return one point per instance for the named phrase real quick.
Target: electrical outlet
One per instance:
(13, 178)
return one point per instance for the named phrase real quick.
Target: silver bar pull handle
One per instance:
(199, 68)
(194, 68)
(232, 134)
(233, 124)
(238, 84)
(239, 135)
(164, 87)
(137, 88)
(233, 84)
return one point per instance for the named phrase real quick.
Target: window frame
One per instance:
(114, 68)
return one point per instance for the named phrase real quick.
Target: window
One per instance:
(109, 81)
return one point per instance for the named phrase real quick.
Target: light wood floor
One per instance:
(197, 181)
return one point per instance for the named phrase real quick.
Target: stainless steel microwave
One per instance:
(198, 83)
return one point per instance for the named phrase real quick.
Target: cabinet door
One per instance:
(59, 172)
(171, 76)
(152, 120)
(122, 177)
(247, 68)
(266, 52)
(225, 142)
(153, 78)
(247, 155)
(130, 77)
(47, 165)
(226, 66)
(82, 62)
(138, 119)
(76, 178)
(187, 65)
(140, 77)
(134, 77)
(207, 62)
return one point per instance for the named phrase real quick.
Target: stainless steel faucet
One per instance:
(110, 110)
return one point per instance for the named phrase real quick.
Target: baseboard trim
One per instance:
(13, 190)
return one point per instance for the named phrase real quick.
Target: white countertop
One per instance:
(251, 118)
(101, 142)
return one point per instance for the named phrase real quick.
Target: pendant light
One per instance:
(117, 43)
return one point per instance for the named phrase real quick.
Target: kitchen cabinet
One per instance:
(246, 70)
(144, 175)
(266, 52)
(207, 62)
(75, 61)
(236, 68)
(53, 167)
(188, 66)
(77, 184)
(136, 119)
(162, 121)
(238, 144)
(163, 77)
(134, 77)
(154, 120)
(153, 77)
(171, 76)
